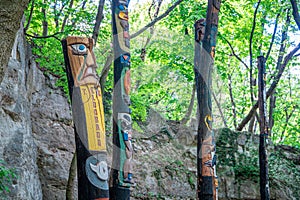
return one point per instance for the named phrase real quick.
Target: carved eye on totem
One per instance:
(79, 49)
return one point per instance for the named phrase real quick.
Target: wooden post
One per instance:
(264, 130)
(205, 43)
(121, 172)
(88, 117)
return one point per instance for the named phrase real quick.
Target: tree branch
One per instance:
(296, 13)
(56, 14)
(271, 89)
(220, 109)
(250, 51)
(279, 61)
(71, 179)
(287, 119)
(43, 37)
(143, 50)
(190, 108)
(273, 37)
(156, 20)
(283, 39)
(66, 17)
(99, 18)
(105, 70)
(44, 20)
(232, 99)
(30, 17)
(233, 52)
(281, 69)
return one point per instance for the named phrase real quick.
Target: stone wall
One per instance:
(166, 164)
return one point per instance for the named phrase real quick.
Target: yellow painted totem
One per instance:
(88, 117)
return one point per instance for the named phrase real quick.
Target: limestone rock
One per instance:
(17, 147)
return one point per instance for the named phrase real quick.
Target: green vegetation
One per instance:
(6, 177)
(163, 76)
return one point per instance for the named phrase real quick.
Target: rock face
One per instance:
(37, 137)
(11, 12)
(37, 140)
(17, 147)
(54, 137)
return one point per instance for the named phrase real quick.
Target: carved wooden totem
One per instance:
(88, 117)
(121, 173)
(205, 43)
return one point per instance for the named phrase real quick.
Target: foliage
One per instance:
(6, 177)
(248, 169)
(164, 79)
(78, 19)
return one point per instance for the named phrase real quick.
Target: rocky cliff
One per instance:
(37, 140)
(36, 128)
(18, 148)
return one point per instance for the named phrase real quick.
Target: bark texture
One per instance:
(11, 12)
(206, 32)
(264, 130)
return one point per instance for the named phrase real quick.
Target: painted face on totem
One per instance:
(82, 60)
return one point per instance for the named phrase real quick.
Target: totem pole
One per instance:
(264, 130)
(121, 172)
(205, 43)
(88, 117)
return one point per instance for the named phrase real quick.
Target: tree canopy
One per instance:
(162, 56)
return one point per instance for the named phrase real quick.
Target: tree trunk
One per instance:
(99, 18)
(206, 31)
(44, 21)
(105, 70)
(296, 12)
(232, 98)
(88, 117)
(220, 110)
(66, 17)
(121, 172)
(30, 16)
(188, 113)
(71, 179)
(264, 130)
(272, 103)
(252, 111)
(11, 12)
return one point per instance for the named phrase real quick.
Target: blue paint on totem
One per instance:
(125, 58)
(121, 7)
(213, 37)
(81, 47)
(125, 136)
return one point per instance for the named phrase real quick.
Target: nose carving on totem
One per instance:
(90, 66)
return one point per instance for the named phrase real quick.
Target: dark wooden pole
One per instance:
(264, 130)
(121, 172)
(205, 43)
(88, 117)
